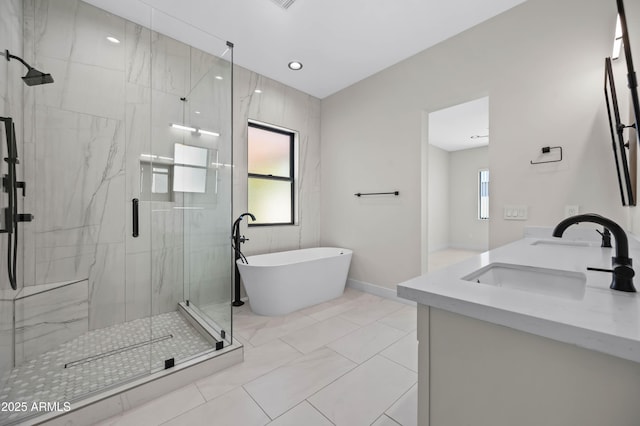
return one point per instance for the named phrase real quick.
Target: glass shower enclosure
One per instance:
(123, 192)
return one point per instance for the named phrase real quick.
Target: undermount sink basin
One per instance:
(549, 282)
(561, 242)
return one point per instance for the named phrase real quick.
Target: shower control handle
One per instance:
(24, 217)
(8, 221)
(23, 186)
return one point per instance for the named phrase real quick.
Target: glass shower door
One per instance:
(101, 302)
(207, 209)
(188, 174)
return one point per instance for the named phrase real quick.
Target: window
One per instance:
(271, 175)
(483, 194)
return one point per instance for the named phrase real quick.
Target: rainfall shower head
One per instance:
(33, 77)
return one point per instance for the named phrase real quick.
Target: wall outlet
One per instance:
(516, 212)
(571, 210)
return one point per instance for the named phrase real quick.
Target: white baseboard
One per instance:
(385, 292)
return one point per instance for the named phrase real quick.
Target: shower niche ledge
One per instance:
(46, 316)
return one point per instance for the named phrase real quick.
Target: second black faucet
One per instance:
(620, 263)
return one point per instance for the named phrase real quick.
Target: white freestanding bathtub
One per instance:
(280, 283)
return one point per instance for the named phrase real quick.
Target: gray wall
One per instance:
(452, 206)
(438, 198)
(541, 63)
(466, 231)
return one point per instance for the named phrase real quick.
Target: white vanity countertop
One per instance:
(604, 320)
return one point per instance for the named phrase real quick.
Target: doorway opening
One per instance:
(458, 189)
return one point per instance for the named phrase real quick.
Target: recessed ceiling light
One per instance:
(113, 40)
(196, 112)
(258, 91)
(295, 65)
(219, 77)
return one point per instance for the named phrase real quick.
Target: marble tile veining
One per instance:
(352, 399)
(366, 341)
(257, 363)
(384, 420)
(160, 409)
(403, 411)
(404, 351)
(110, 103)
(317, 335)
(47, 319)
(233, 408)
(405, 319)
(297, 380)
(259, 330)
(374, 310)
(303, 413)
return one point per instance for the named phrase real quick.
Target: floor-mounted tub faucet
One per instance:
(621, 263)
(236, 240)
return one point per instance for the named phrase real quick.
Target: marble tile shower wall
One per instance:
(287, 107)
(82, 139)
(108, 102)
(11, 18)
(207, 231)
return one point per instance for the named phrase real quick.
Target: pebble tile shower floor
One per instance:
(105, 357)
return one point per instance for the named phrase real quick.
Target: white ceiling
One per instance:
(452, 128)
(339, 42)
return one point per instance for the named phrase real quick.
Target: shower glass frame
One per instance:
(80, 156)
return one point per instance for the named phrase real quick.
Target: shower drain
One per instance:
(117, 351)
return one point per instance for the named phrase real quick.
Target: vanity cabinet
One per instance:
(513, 350)
(473, 372)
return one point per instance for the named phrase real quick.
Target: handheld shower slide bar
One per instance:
(11, 211)
(10, 185)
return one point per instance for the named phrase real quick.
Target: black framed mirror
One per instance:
(625, 153)
(618, 144)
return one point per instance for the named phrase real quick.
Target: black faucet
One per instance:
(236, 240)
(606, 238)
(621, 263)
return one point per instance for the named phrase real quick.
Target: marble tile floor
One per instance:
(350, 361)
(128, 355)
